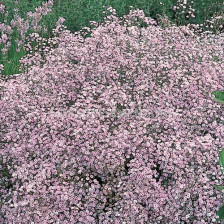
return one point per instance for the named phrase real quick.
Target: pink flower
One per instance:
(4, 37)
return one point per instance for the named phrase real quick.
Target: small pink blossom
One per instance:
(4, 38)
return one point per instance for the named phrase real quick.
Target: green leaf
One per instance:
(220, 188)
(221, 159)
(219, 101)
(215, 58)
(219, 96)
(221, 212)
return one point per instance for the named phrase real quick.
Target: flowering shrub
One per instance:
(119, 127)
(15, 30)
(184, 10)
(221, 188)
(22, 26)
(215, 23)
(219, 97)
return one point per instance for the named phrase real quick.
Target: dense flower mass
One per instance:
(118, 127)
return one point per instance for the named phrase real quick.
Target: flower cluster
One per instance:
(215, 23)
(60, 167)
(22, 25)
(38, 47)
(184, 10)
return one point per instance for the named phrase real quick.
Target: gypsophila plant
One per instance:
(40, 16)
(14, 31)
(215, 24)
(118, 127)
(184, 10)
(38, 47)
(164, 21)
(219, 187)
(219, 97)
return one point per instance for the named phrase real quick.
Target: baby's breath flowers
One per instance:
(119, 127)
(20, 25)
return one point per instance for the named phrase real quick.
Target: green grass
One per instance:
(78, 13)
